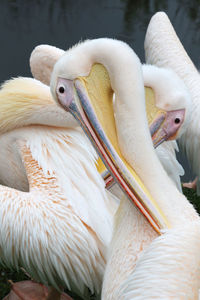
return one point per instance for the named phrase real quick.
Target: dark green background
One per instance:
(25, 24)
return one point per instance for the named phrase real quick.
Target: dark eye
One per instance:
(61, 89)
(177, 121)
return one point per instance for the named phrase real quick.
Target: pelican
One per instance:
(163, 48)
(86, 89)
(167, 85)
(43, 58)
(53, 200)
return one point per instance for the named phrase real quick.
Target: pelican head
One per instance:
(171, 96)
(83, 82)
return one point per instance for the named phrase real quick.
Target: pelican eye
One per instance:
(177, 121)
(61, 89)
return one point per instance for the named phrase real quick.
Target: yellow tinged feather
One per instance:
(19, 98)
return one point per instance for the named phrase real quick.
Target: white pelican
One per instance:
(54, 217)
(43, 58)
(167, 85)
(164, 49)
(84, 89)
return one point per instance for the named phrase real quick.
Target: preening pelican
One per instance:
(171, 90)
(53, 201)
(163, 48)
(86, 90)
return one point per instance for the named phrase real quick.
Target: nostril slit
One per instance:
(177, 121)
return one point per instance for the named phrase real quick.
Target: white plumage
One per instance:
(167, 155)
(161, 272)
(42, 60)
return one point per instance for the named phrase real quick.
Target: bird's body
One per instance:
(143, 265)
(53, 201)
(130, 254)
(168, 268)
(164, 49)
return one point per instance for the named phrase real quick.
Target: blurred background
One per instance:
(62, 23)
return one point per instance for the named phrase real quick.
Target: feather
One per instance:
(55, 230)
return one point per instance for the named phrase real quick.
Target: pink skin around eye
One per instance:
(173, 122)
(65, 98)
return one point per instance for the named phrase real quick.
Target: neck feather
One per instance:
(67, 156)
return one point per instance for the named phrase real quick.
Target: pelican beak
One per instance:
(92, 106)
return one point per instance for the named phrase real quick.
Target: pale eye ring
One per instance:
(61, 89)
